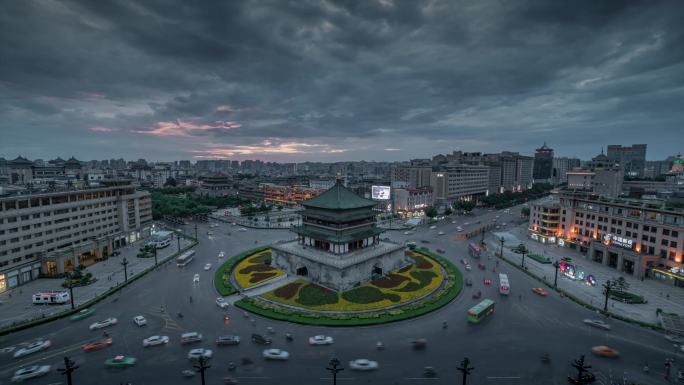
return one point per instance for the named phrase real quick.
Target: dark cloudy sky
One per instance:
(338, 80)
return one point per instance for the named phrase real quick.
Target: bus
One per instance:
(474, 250)
(504, 286)
(480, 311)
(51, 298)
(185, 258)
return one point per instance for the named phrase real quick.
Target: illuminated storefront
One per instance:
(673, 276)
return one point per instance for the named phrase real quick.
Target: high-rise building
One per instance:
(458, 181)
(543, 164)
(632, 159)
(560, 168)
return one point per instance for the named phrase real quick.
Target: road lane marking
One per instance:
(338, 378)
(254, 378)
(504, 378)
(422, 378)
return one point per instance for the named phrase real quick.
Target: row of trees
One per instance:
(181, 202)
(508, 198)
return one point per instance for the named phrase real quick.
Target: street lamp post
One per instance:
(155, 254)
(334, 369)
(608, 285)
(201, 366)
(502, 240)
(196, 231)
(69, 367)
(178, 238)
(465, 368)
(524, 251)
(581, 369)
(70, 285)
(556, 265)
(125, 263)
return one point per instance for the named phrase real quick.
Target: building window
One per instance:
(663, 242)
(673, 244)
(666, 232)
(675, 234)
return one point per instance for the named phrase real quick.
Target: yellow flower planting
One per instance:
(255, 269)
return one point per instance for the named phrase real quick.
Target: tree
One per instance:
(620, 285)
(170, 181)
(431, 212)
(525, 211)
(448, 211)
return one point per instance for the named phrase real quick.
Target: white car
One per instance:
(320, 340)
(195, 278)
(275, 354)
(242, 229)
(195, 354)
(440, 233)
(155, 340)
(220, 302)
(221, 254)
(363, 364)
(104, 323)
(433, 227)
(207, 266)
(30, 372)
(459, 229)
(32, 348)
(597, 323)
(139, 320)
(407, 232)
(453, 222)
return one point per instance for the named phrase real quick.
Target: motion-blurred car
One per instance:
(220, 302)
(275, 354)
(242, 229)
(320, 340)
(459, 229)
(120, 362)
(441, 251)
(155, 340)
(228, 340)
(540, 291)
(424, 241)
(187, 338)
(433, 227)
(429, 372)
(605, 351)
(30, 372)
(97, 345)
(363, 364)
(195, 278)
(32, 348)
(259, 339)
(139, 320)
(104, 323)
(419, 344)
(464, 261)
(440, 233)
(207, 266)
(195, 354)
(82, 314)
(597, 323)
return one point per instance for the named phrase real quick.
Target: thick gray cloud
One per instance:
(334, 80)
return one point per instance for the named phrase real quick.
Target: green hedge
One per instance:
(539, 258)
(222, 274)
(443, 297)
(368, 294)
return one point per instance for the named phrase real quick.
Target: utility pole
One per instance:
(196, 232)
(608, 285)
(482, 240)
(334, 369)
(465, 368)
(502, 240)
(155, 254)
(582, 378)
(69, 367)
(125, 263)
(524, 251)
(178, 238)
(201, 366)
(557, 265)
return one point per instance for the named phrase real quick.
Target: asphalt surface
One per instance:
(504, 349)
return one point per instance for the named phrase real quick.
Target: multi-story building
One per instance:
(560, 168)
(637, 237)
(287, 195)
(543, 164)
(52, 232)
(412, 200)
(459, 181)
(631, 159)
(603, 177)
(215, 185)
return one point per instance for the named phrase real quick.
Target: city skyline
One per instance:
(337, 82)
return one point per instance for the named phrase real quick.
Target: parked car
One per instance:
(320, 340)
(195, 354)
(220, 302)
(82, 314)
(228, 340)
(33, 347)
(275, 354)
(259, 339)
(605, 351)
(597, 323)
(187, 338)
(120, 362)
(139, 320)
(97, 345)
(155, 340)
(363, 364)
(104, 323)
(30, 372)
(540, 291)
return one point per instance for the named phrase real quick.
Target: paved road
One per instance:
(505, 349)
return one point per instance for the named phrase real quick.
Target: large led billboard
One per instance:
(380, 192)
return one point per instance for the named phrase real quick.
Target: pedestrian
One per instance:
(667, 296)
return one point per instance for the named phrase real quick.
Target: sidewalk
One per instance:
(668, 298)
(17, 306)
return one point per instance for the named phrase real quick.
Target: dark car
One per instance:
(469, 282)
(424, 241)
(259, 339)
(228, 340)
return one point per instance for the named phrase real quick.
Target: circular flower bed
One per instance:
(255, 269)
(428, 284)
